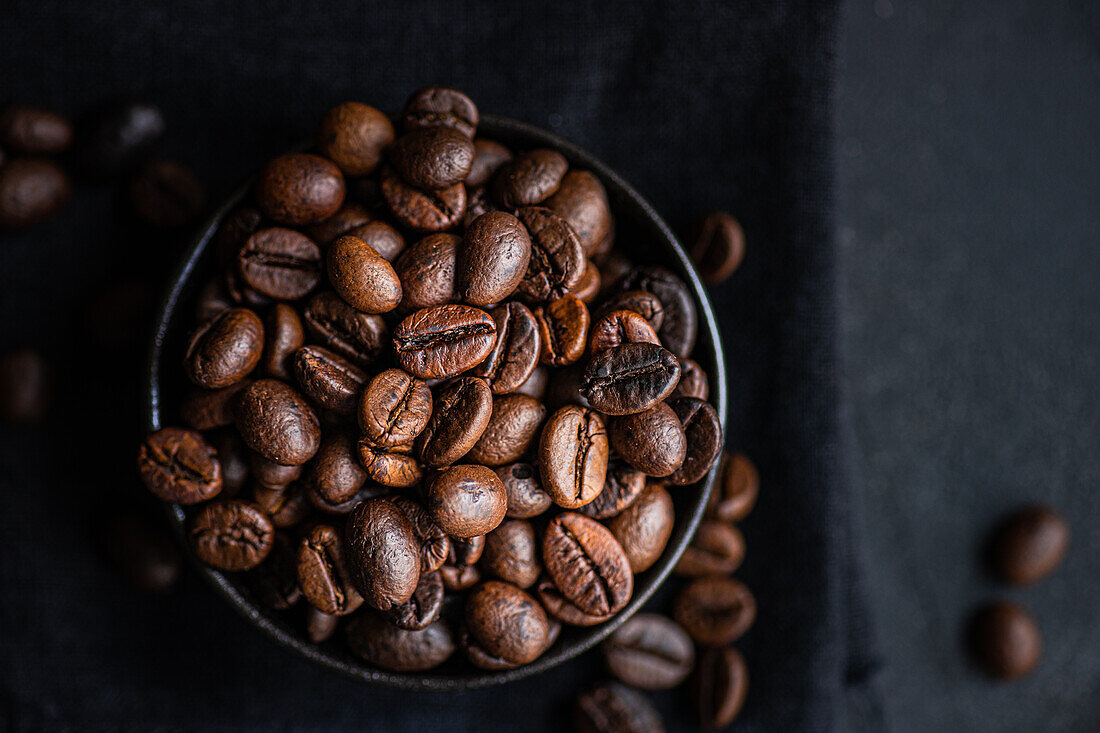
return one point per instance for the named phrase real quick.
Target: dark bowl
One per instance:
(650, 242)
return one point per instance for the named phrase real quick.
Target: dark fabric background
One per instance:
(701, 105)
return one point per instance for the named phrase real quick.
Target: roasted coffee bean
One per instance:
(644, 527)
(427, 271)
(354, 136)
(620, 489)
(320, 626)
(557, 258)
(30, 130)
(212, 299)
(717, 549)
(573, 456)
(444, 340)
(587, 564)
(496, 251)
(324, 572)
(513, 426)
(457, 579)
(433, 542)
(299, 188)
(231, 535)
(649, 652)
(715, 610)
(432, 157)
(241, 294)
(380, 643)
(274, 582)
(562, 609)
(735, 495)
(588, 287)
(614, 708)
(179, 466)
(529, 178)
(717, 247)
(489, 156)
(526, 497)
(280, 263)
(384, 555)
(283, 335)
(167, 194)
(704, 439)
(460, 413)
(516, 351)
(537, 384)
(719, 686)
(31, 191)
(225, 349)
(507, 622)
(1005, 640)
(582, 201)
(394, 409)
(390, 466)
(1029, 545)
(652, 441)
(348, 218)
(621, 327)
(362, 277)
(647, 305)
(512, 553)
(385, 240)
(693, 381)
(630, 378)
(422, 610)
(466, 551)
(142, 551)
(287, 506)
(278, 423)
(563, 330)
(24, 387)
(343, 508)
(116, 136)
(440, 107)
(234, 231)
(356, 336)
(680, 323)
(271, 474)
(232, 455)
(466, 500)
(424, 211)
(477, 204)
(330, 380)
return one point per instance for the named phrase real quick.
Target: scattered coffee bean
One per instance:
(557, 259)
(424, 211)
(32, 190)
(328, 379)
(430, 158)
(434, 544)
(704, 439)
(715, 610)
(582, 201)
(693, 381)
(1005, 640)
(335, 473)
(1029, 545)
(394, 408)
(461, 411)
(719, 686)
(621, 488)
(649, 652)
(516, 351)
(380, 643)
(278, 423)
(735, 495)
(362, 277)
(358, 337)
(506, 622)
(615, 708)
(513, 425)
(526, 497)
(647, 305)
(225, 349)
(167, 194)
(717, 247)
(495, 253)
(621, 327)
(717, 549)
(422, 610)
(283, 335)
(679, 324)
(271, 474)
(24, 387)
(116, 137)
(563, 330)
(444, 340)
(489, 156)
(29, 130)
(427, 271)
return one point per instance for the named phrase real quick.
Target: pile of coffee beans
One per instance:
(430, 401)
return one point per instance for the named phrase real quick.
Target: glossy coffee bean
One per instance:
(271, 474)
(434, 544)
(274, 582)
(457, 579)
(717, 549)
(647, 305)
(652, 441)
(719, 687)
(563, 330)
(116, 136)
(466, 500)
(179, 466)
(582, 201)
(496, 250)
(506, 622)
(1029, 545)
(427, 271)
(29, 130)
(522, 484)
(356, 336)
(557, 258)
(512, 553)
(621, 488)
(167, 194)
(588, 287)
(394, 408)
(362, 277)
(562, 609)
(349, 217)
(283, 335)
(383, 553)
(277, 422)
(422, 610)
(587, 564)
(644, 527)
(381, 644)
(299, 188)
(231, 535)
(424, 211)
(1005, 640)
(431, 158)
(466, 551)
(620, 327)
(24, 387)
(280, 263)
(489, 156)
(735, 495)
(680, 324)
(331, 381)
(142, 551)
(369, 490)
(477, 203)
(512, 428)
(286, 506)
(385, 239)
(715, 610)
(440, 107)
(354, 136)
(529, 178)
(320, 626)
(693, 381)
(615, 708)
(573, 452)
(444, 340)
(650, 652)
(324, 574)
(393, 467)
(335, 473)
(233, 457)
(630, 378)
(225, 349)
(32, 190)
(717, 247)
(704, 439)
(516, 351)
(461, 411)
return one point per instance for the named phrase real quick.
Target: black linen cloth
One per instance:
(700, 105)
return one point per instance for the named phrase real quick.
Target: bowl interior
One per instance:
(648, 241)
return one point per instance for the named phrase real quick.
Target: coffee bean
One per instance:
(495, 254)
(24, 387)
(582, 201)
(329, 380)
(234, 231)
(358, 337)
(563, 330)
(562, 609)
(390, 466)
(423, 210)
(384, 557)
(630, 378)
(348, 218)
(422, 610)
(440, 107)
(460, 413)
(116, 136)
(1029, 545)
(320, 626)
(587, 564)
(353, 136)
(278, 423)
(167, 194)
(715, 610)
(433, 542)
(649, 652)
(432, 158)
(513, 425)
(614, 708)
(717, 549)
(647, 305)
(343, 508)
(489, 156)
(588, 287)
(557, 258)
(621, 327)
(644, 527)
(286, 506)
(458, 579)
(717, 247)
(381, 644)
(466, 500)
(719, 686)
(234, 462)
(283, 335)
(383, 238)
(335, 473)
(362, 277)
(142, 551)
(299, 188)
(231, 535)
(693, 381)
(466, 551)
(620, 489)
(427, 271)
(280, 263)
(240, 293)
(30, 130)
(274, 582)
(516, 351)
(680, 323)
(704, 439)
(652, 441)
(444, 340)
(225, 349)
(506, 622)
(512, 553)
(573, 456)
(477, 204)
(32, 190)
(1005, 640)
(271, 474)
(529, 178)
(179, 466)
(394, 409)
(526, 497)
(735, 495)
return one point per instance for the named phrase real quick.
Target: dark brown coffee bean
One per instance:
(496, 251)
(680, 323)
(348, 218)
(231, 535)
(324, 572)
(444, 340)
(512, 553)
(644, 527)
(489, 156)
(343, 508)
(117, 135)
(1029, 545)
(717, 247)
(1005, 640)
(394, 409)
(234, 231)
(280, 263)
(649, 652)
(537, 385)
(735, 495)
(424, 211)
(652, 441)
(573, 456)
(529, 178)
(240, 293)
(179, 466)
(335, 473)
(562, 609)
(329, 380)
(283, 335)
(422, 610)
(693, 381)
(226, 349)
(24, 387)
(621, 327)
(30, 130)
(477, 654)
(142, 551)
(460, 413)
(233, 457)
(427, 271)
(458, 579)
(477, 204)
(557, 258)
(630, 378)
(278, 423)
(274, 583)
(362, 277)
(507, 622)
(513, 426)
(31, 191)
(704, 439)
(167, 194)
(587, 564)
(320, 626)
(353, 136)
(440, 107)
(390, 466)
(466, 551)
(563, 330)
(717, 549)
(582, 201)
(299, 188)
(516, 351)
(613, 708)
(380, 643)
(620, 489)
(432, 157)
(434, 544)
(356, 336)
(647, 305)
(588, 287)
(286, 506)
(719, 686)
(526, 497)
(715, 610)
(466, 500)
(384, 555)
(271, 474)
(385, 239)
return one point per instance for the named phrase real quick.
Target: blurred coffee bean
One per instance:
(615, 708)
(24, 387)
(735, 495)
(1029, 545)
(1005, 640)
(715, 610)
(717, 247)
(716, 549)
(31, 191)
(167, 194)
(142, 551)
(29, 130)
(650, 652)
(719, 686)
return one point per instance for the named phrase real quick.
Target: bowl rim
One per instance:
(222, 584)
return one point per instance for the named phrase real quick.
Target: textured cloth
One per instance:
(701, 105)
